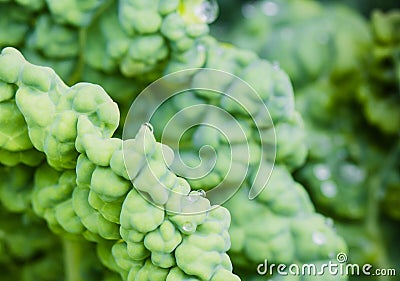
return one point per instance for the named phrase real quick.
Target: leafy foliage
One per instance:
(99, 224)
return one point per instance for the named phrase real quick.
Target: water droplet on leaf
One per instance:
(201, 48)
(148, 125)
(248, 10)
(202, 193)
(275, 65)
(329, 222)
(322, 172)
(270, 8)
(352, 173)
(193, 196)
(319, 238)
(207, 11)
(329, 189)
(188, 227)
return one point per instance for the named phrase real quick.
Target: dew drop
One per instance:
(329, 189)
(248, 10)
(188, 227)
(193, 196)
(319, 238)
(352, 173)
(270, 8)
(322, 172)
(149, 126)
(201, 48)
(202, 193)
(329, 222)
(208, 11)
(275, 65)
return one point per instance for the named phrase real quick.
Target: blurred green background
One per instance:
(343, 58)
